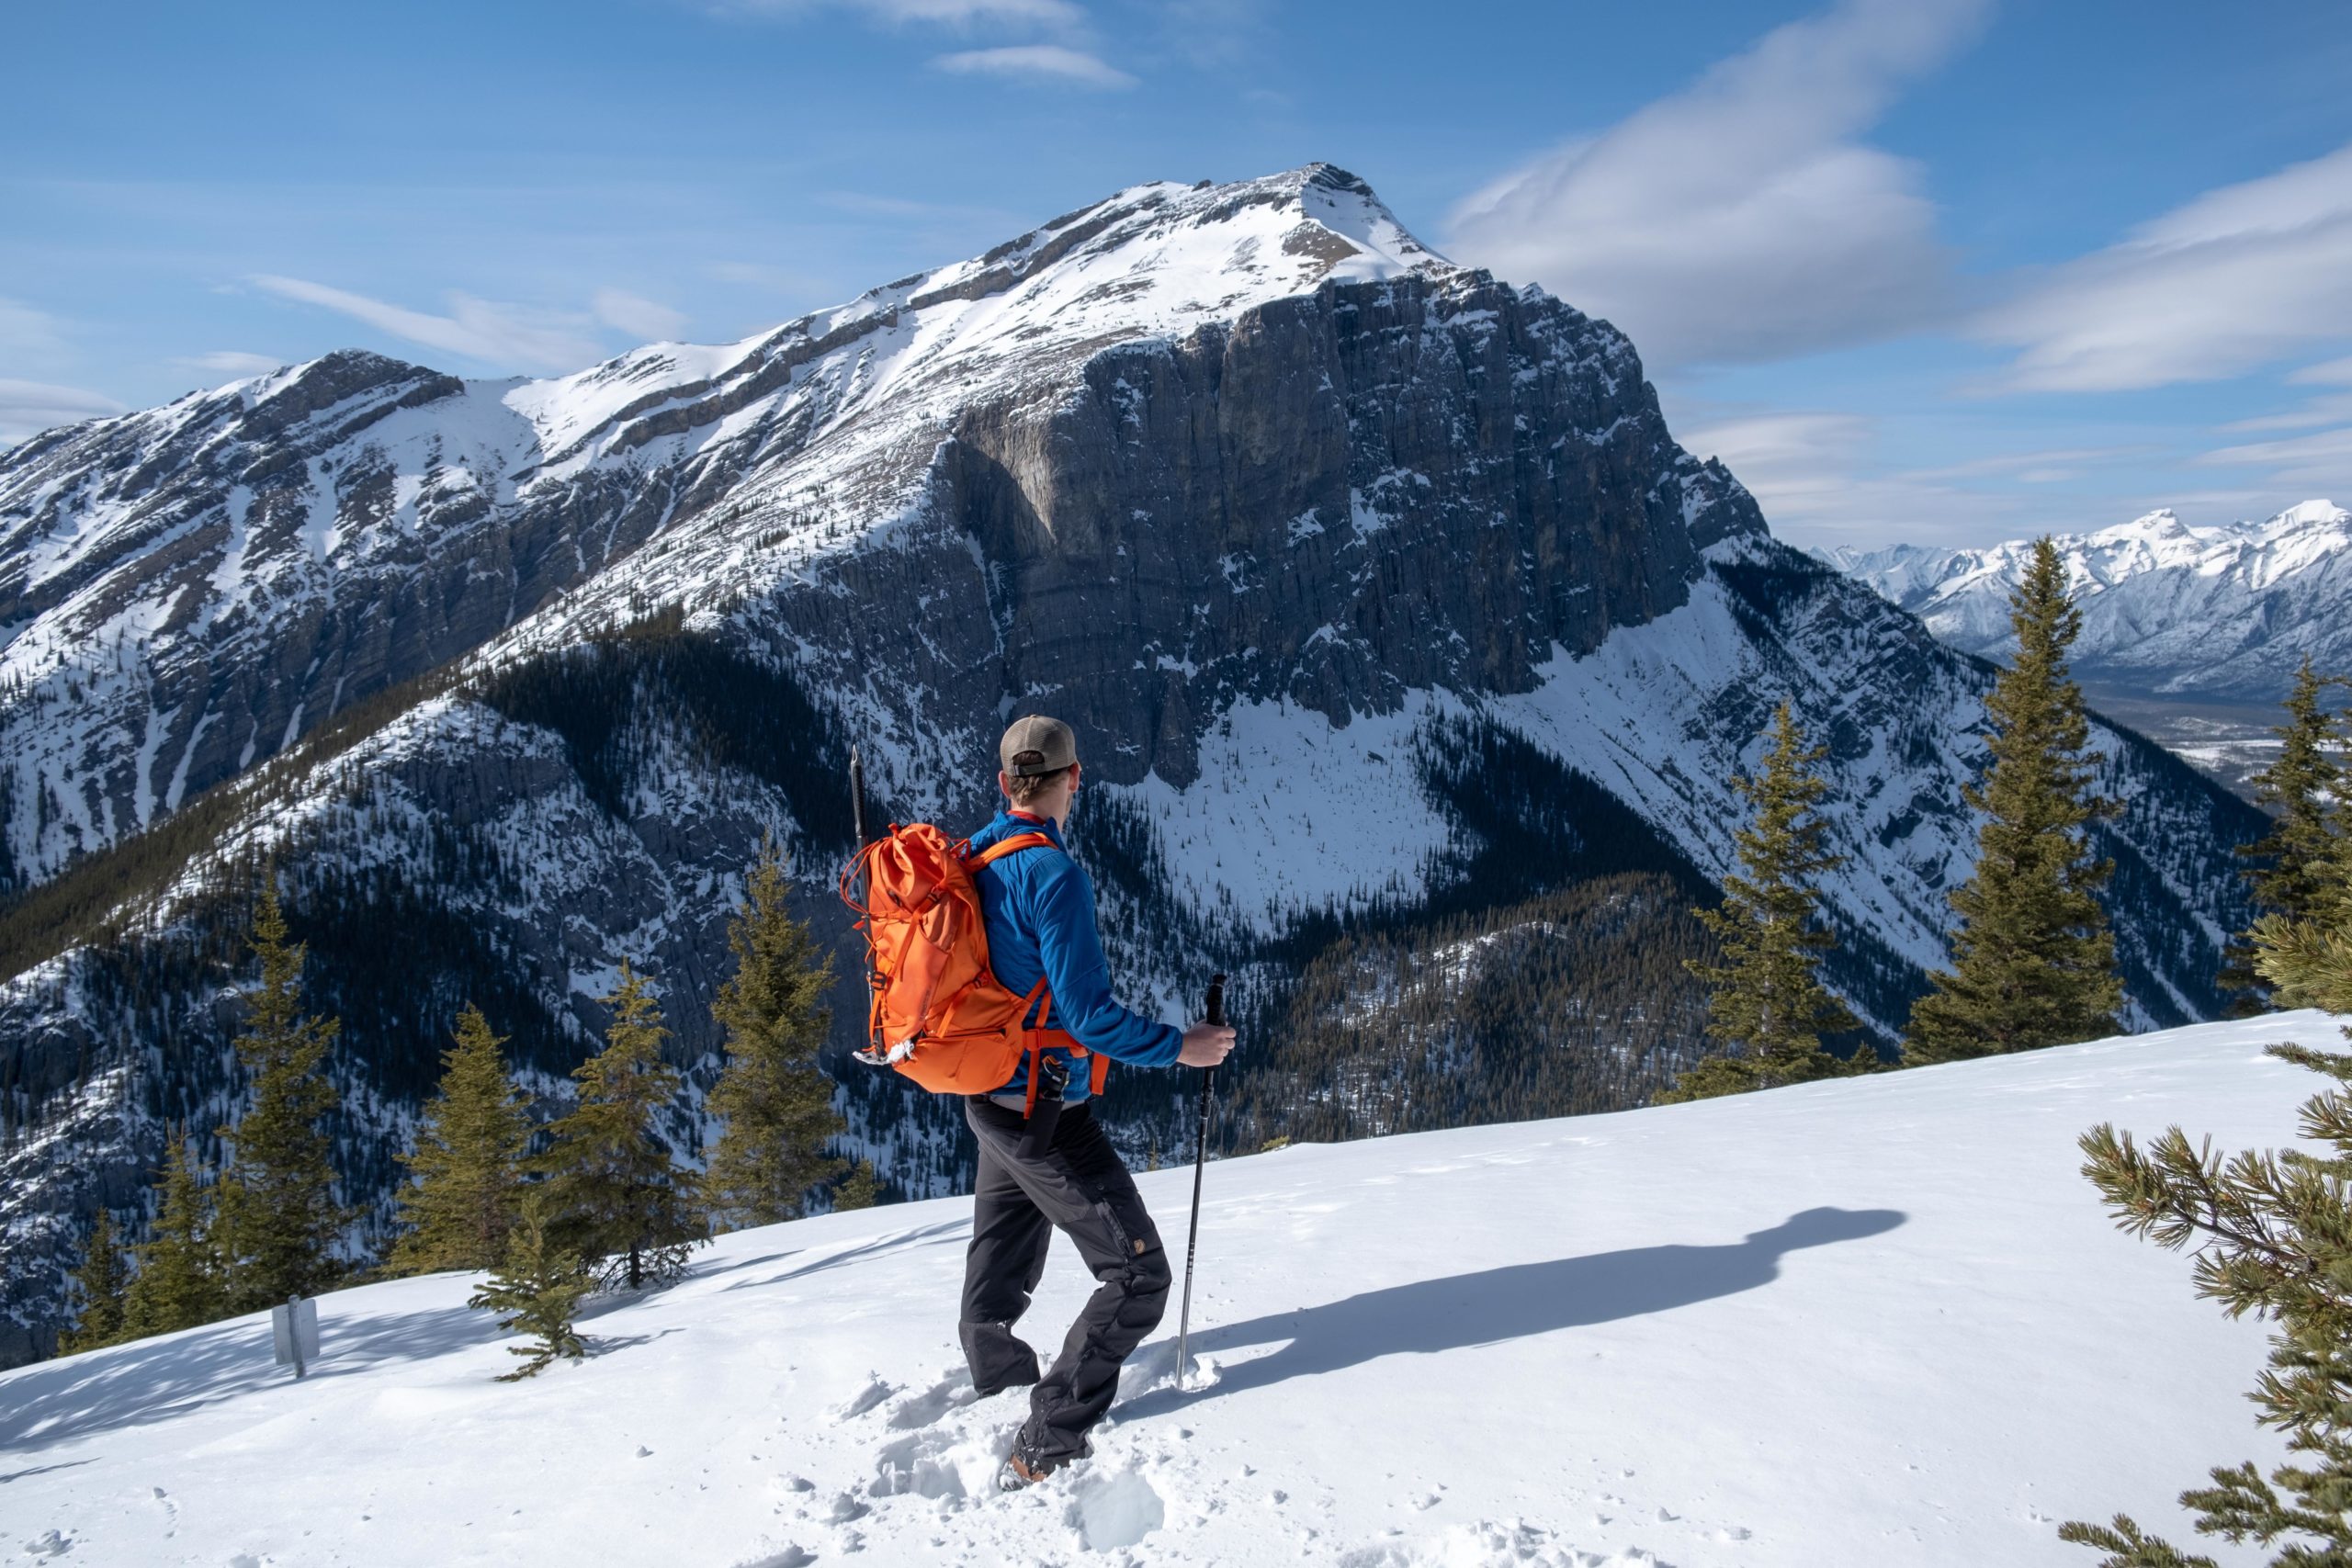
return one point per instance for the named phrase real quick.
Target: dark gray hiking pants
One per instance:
(1081, 1187)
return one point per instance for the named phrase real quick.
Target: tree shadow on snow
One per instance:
(154, 1380)
(1428, 1317)
(888, 1242)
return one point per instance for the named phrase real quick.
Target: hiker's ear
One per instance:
(1004, 784)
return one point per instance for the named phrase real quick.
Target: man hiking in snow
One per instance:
(1053, 1166)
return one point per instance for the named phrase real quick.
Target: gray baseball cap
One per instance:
(1036, 745)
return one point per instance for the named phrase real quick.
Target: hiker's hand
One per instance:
(1206, 1045)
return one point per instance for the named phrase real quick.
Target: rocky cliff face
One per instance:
(1378, 591)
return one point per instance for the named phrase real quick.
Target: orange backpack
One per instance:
(939, 1014)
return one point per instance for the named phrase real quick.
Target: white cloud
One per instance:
(27, 332)
(1038, 62)
(2239, 277)
(506, 336)
(952, 12)
(28, 408)
(646, 319)
(2334, 373)
(2320, 461)
(1740, 219)
(232, 362)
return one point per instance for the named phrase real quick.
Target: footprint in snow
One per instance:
(929, 1407)
(875, 1391)
(792, 1556)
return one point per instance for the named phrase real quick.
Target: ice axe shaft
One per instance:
(1200, 1162)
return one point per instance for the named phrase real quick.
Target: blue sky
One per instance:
(1944, 270)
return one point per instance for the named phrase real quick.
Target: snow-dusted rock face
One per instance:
(2168, 610)
(1371, 584)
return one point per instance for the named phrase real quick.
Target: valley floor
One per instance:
(1872, 1324)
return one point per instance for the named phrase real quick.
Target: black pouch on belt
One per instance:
(1052, 1080)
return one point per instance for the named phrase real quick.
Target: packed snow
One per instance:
(1873, 1323)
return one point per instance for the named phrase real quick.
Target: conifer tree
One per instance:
(861, 1188)
(2275, 1238)
(278, 1217)
(1766, 1005)
(619, 1194)
(103, 1280)
(178, 1284)
(466, 1175)
(2293, 870)
(776, 1102)
(537, 1289)
(2033, 961)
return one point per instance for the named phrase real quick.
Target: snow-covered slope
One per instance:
(1876, 1323)
(2169, 609)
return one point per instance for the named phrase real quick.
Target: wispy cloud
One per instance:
(510, 337)
(1038, 63)
(28, 408)
(1741, 218)
(2320, 461)
(30, 334)
(955, 13)
(232, 362)
(2240, 277)
(646, 319)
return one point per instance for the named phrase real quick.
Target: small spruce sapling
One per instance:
(1767, 1008)
(102, 1282)
(861, 1188)
(466, 1173)
(178, 1283)
(278, 1219)
(618, 1193)
(775, 1102)
(536, 1288)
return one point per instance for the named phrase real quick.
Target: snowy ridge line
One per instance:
(338, 487)
(2169, 608)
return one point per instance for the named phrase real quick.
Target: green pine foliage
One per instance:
(278, 1217)
(178, 1284)
(776, 1103)
(466, 1173)
(861, 1188)
(1766, 1004)
(619, 1194)
(2033, 960)
(2294, 871)
(537, 1289)
(102, 1282)
(2274, 1236)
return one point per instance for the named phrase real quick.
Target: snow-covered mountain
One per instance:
(1378, 591)
(1869, 1324)
(2168, 610)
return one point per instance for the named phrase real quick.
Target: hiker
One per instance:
(1045, 1161)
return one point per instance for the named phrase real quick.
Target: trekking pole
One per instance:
(1200, 1159)
(857, 795)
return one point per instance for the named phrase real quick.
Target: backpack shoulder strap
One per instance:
(1012, 845)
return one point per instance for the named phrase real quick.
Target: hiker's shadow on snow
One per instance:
(1463, 1310)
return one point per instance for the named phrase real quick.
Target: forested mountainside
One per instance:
(1410, 657)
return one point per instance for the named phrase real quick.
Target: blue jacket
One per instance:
(1039, 907)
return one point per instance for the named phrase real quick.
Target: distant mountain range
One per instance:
(2191, 633)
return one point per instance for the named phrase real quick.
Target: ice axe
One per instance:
(1199, 1161)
